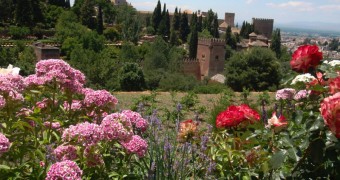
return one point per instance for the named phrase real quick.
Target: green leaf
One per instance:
(4, 167)
(299, 117)
(292, 153)
(277, 159)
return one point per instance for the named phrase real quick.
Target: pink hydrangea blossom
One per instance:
(24, 112)
(67, 170)
(136, 120)
(11, 86)
(55, 69)
(4, 144)
(63, 153)
(84, 133)
(99, 99)
(286, 93)
(136, 145)
(116, 126)
(74, 106)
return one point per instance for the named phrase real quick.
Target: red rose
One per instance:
(330, 111)
(305, 57)
(334, 85)
(230, 117)
(234, 115)
(249, 113)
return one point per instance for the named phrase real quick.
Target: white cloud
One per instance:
(331, 7)
(249, 1)
(296, 5)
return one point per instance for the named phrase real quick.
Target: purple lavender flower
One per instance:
(64, 170)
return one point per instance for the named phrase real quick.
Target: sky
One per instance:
(282, 11)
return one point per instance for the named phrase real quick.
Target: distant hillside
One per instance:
(321, 28)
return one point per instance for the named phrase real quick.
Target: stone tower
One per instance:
(211, 55)
(229, 18)
(263, 26)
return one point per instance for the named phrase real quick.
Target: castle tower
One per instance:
(229, 18)
(264, 26)
(211, 55)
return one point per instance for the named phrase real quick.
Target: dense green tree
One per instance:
(205, 34)
(246, 29)
(37, 12)
(129, 23)
(176, 55)
(129, 53)
(68, 26)
(193, 41)
(208, 21)
(24, 13)
(131, 77)
(157, 16)
(77, 6)
(26, 61)
(334, 45)
(156, 58)
(276, 43)
(174, 37)
(184, 27)
(87, 14)
(256, 69)
(177, 82)
(7, 7)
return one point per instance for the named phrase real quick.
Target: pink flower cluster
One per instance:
(84, 133)
(116, 126)
(63, 153)
(55, 69)
(11, 86)
(301, 94)
(52, 125)
(4, 144)
(100, 98)
(74, 106)
(64, 170)
(285, 94)
(136, 145)
(136, 119)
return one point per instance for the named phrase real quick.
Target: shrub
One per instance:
(19, 32)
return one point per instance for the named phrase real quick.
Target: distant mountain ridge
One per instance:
(311, 26)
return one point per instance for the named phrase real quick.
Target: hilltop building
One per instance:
(209, 61)
(263, 26)
(254, 41)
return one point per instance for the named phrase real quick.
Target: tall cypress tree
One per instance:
(194, 37)
(184, 28)
(173, 37)
(230, 39)
(100, 26)
(176, 20)
(276, 43)
(200, 23)
(157, 16)
(215, 32)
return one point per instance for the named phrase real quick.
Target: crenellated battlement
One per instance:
(211, 41)
(263, 19)
(190, 61)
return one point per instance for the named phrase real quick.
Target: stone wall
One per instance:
(263, 26)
